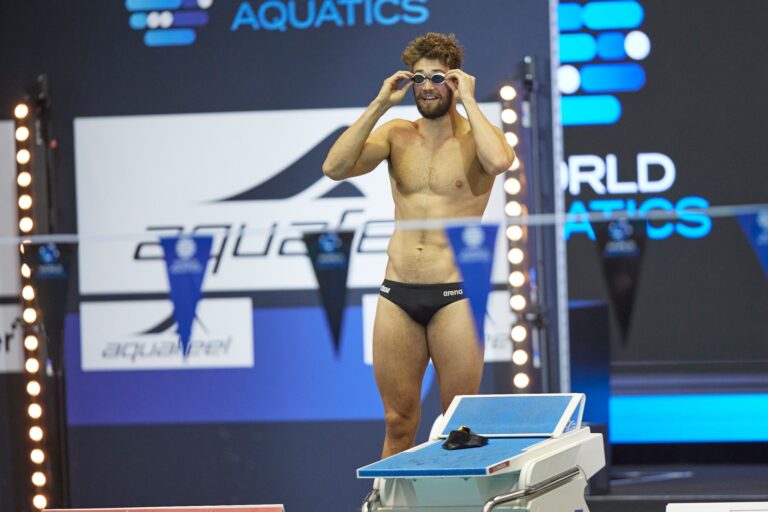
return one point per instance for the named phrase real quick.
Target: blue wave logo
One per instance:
(600, 46)
(168, 22)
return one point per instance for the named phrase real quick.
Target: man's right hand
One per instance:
(391, 93)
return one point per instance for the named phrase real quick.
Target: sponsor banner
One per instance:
(329, 253)
(498, 321)
(142, 335)
(295, 374)
(185, 260)
(253, 180)
(9, 254)
(11, 343)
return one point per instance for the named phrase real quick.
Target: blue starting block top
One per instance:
(431, 459)
(513, 423)
(515, 415)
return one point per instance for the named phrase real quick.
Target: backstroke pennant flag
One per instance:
(329, 254)
(186, 258)
(755, 226)
(621, 244)
(473, 248)
(51, 273)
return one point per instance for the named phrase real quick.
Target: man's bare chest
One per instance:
(444, 168)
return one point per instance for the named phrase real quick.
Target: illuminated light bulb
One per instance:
(508, 93)
(517, 302)
(38, 478)
(512, 139)
(33, 388)
(28, 292)
(22, 133)
(35, 411)
(521, 381)
(512, 186)
(517, 279)
(520, 357)
(516, 256)
(24, 179)
(29, 315)
(514, 233)
(25, 201)
(23, 156)
(515, 165)
(36, 433)
(513, 209)
(508, 116)
(31, 343)
(26, 224)
(519, 333)
(40, 502)
(32, 365)
(25, 270)
(21, 111)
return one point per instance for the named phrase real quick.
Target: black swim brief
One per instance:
(421, 301)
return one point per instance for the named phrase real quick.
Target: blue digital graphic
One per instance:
(599, 56)
(168, 22)
(688, 418)
(186, 258)
(590, 110)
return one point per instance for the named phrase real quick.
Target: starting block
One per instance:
(538, 459)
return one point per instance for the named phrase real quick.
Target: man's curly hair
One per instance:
(434, 45)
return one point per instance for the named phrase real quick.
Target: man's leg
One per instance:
(455, 351)
(399, 361)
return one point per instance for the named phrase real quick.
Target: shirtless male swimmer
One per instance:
(440, 166)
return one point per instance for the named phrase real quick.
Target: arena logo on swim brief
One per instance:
(141, 335)
(168, 22)
(600, 45)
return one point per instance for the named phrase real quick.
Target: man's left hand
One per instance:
(462, 84)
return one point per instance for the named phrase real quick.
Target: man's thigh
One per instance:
(455, 351)
(400, 357)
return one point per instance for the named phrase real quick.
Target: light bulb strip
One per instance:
(515, 189)
(34, 367)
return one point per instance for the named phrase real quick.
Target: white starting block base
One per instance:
(538, 459)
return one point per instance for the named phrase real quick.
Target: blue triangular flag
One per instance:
(755, 226)
(185, 259)
(329, 253)
(473, 248)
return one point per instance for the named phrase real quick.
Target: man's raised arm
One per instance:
(358, 151)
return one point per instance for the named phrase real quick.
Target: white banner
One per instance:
(9, 253)
(11, 343)
(164, 174)
(141, 335)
